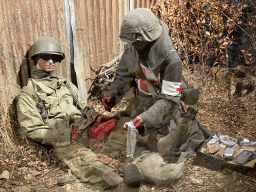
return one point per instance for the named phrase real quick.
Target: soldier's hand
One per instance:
(137, 121)
(101, 118)
(105, 102)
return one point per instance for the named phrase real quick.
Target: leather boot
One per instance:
(178, 135)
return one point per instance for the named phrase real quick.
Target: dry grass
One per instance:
(6, 135)
(219, 110)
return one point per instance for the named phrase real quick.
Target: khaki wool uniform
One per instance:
(49, 112)
(58, 107)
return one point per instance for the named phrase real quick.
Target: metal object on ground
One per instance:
(229, 153)
(243, 157)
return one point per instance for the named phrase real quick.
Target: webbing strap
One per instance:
(185, 81)
(182, 157)
(151, 88)
(74, 97)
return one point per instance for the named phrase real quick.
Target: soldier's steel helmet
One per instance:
(140, 25)
(46, 45)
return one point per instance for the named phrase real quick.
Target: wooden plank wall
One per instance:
(143, 3)
(97, 27)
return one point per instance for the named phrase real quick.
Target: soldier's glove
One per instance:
(137, 121)
(106, 103)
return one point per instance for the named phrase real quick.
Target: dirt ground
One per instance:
(33, 167)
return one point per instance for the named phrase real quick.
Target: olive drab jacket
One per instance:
(51, 101)
(160, 64)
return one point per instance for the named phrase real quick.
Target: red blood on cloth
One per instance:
(75, 134)
(99, 130)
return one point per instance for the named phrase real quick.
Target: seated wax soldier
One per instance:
(51, 112)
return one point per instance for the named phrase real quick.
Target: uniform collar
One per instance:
(46, 78)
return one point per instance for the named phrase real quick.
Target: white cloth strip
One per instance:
(171, 88)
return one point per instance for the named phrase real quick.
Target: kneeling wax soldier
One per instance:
(151, 64)
(50, 109)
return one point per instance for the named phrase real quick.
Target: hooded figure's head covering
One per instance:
(140, 25)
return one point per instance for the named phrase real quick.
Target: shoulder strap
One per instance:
(185, 81)
(151, 88)
(183, 157)
(149, 84)
(74, 97)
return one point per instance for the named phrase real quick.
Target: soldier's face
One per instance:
(46, 62)
(140, 45)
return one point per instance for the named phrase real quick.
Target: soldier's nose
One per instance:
(50, 61)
